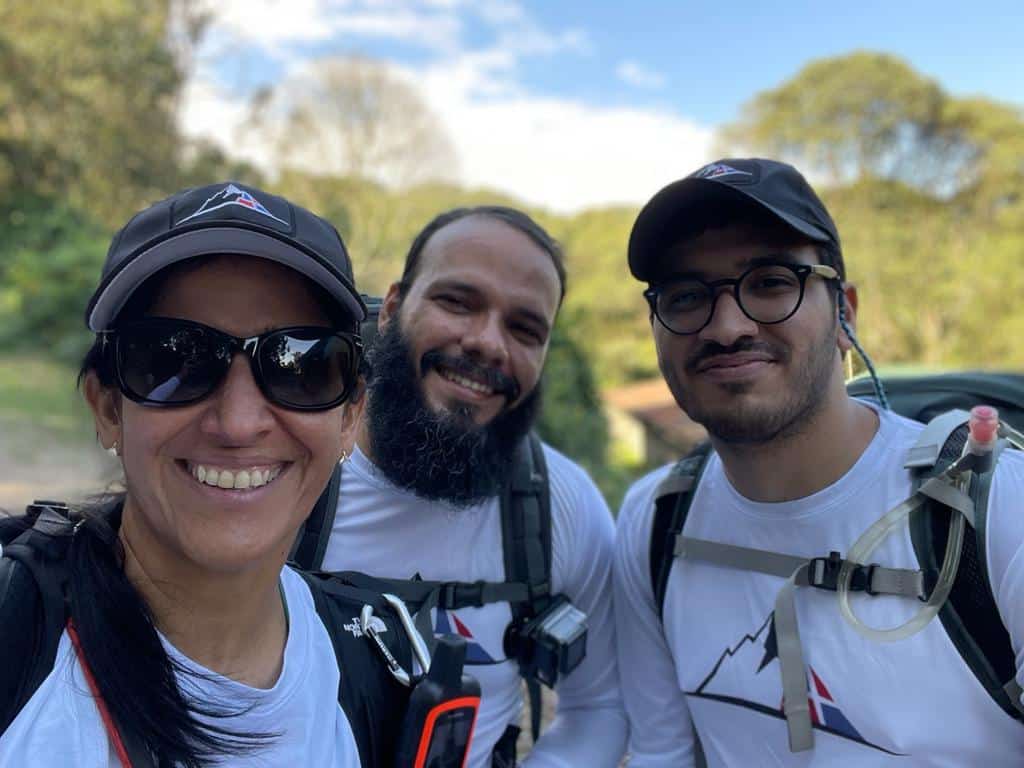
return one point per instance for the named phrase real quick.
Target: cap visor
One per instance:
(117, 289)
(670, 214)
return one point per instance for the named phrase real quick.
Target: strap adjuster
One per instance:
(539, 590)
(461, 594)
(823, 573)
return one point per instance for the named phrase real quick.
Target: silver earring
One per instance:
(115, 449)
(344, 457)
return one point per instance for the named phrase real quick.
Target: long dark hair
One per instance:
(136, 678)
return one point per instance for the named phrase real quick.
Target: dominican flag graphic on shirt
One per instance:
(739, 673)
(447, 623)
(824, 711)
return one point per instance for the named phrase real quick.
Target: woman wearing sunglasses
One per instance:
(224, 374)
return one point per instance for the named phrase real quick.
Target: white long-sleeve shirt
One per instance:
(60, 725)
(711, 666)
(387, 532)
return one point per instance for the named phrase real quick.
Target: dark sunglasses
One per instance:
(163, 361)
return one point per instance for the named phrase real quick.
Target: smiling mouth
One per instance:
(464, 381)
(233, 479)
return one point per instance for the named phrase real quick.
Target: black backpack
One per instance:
(526, 541)
(969, 615)
(34, 611)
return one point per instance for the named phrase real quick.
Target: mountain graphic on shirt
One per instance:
(747, 675)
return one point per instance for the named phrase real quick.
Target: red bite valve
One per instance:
(983, 424)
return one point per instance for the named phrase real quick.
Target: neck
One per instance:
(797, 465)
(231, 623)
(363, 436)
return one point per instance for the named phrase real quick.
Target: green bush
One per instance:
(50, 260)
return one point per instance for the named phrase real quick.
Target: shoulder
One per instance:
(572, 488)
(637, 510)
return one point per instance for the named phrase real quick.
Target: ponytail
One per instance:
(135, 677)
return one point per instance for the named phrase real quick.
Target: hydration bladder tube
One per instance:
(983, 429)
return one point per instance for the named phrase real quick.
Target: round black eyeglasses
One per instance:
(766, 293)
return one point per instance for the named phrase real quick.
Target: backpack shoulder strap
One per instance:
(671, 507)
(373, 701)
(526, 528)
(33, 607)
(526, 541)
(311, 544)
(970, 615)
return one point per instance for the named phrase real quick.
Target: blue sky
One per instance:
(575, 104)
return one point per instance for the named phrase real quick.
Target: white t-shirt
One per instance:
(60, 725)
(387, 532)
(713, 666)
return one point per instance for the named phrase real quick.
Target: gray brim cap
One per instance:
(680, 207)
(226, 218)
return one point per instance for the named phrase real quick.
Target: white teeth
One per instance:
(462, 381)
(240, 480)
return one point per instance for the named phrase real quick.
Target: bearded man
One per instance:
(455, 389)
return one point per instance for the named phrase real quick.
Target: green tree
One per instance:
(849, 117)
(50, 260)
(88, 100)
(928, 193)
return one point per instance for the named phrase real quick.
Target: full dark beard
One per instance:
(740, 423)
(438, 456)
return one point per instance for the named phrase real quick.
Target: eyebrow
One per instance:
(781, 257)
(452, 284)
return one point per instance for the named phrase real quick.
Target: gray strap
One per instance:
(925, 452)
(899, 581)
(738, 558)
(945, 493)
(791, 665)
(674, 483)
(884, 581)
(797, 571)
(1014, 691)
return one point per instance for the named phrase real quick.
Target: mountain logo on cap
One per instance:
(717, 170)
(232, 195)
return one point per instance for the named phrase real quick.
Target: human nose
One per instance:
(485, 340)
(728, 322)
(238, 413)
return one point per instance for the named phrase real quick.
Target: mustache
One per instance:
(711, 349)
(501, 383)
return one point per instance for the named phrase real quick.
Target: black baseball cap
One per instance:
(683, 205)
(224, 218)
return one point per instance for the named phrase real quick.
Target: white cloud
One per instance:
(639, 76)
(559, 153)
(563, 154)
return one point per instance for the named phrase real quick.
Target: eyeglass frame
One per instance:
(248, 346)
(802, 272)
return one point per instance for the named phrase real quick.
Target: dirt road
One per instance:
(36, 466)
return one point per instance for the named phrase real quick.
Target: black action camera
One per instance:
(553, 643)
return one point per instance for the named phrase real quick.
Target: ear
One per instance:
(105, 404)
(846, 309)
(390, 306)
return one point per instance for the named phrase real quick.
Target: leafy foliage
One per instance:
(50, 258)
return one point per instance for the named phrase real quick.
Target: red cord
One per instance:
(108, 721)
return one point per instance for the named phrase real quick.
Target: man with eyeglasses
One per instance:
(752, 316)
